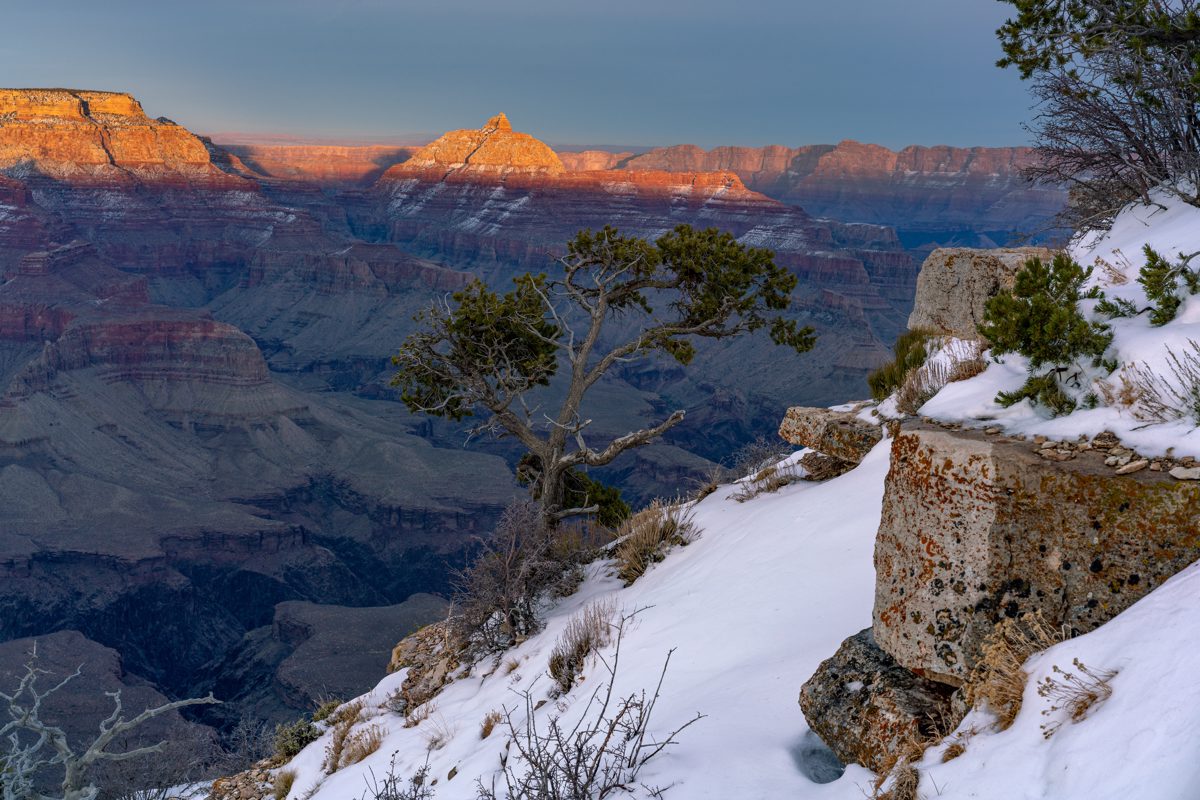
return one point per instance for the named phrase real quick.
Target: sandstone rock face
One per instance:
(333, 165)
(493, 150)
(975, 528)
(95, 136)
(840, 434)
(865, 706)
(955, 283)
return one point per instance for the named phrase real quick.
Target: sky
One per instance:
(618, 72)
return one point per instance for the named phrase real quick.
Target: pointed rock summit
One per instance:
(498, 123)
(493, 150)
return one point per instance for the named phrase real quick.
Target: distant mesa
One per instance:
(96, 137)
(494, 149)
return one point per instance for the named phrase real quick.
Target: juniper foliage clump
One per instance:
(1161, 280)
(1040, 319)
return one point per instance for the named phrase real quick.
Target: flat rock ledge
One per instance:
(839, 434)
(866, 707)
(978, 527)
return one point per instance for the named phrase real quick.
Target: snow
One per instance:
(1139, 743)
(1171, 227)
(769, 590)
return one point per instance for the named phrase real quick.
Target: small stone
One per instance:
(1118, 451)
(1188, 461)
(1156, 466)
(1186, 473)
(1133, 466)
(1057, 455)
(1111, 461)
(991, 431)
(1105, 440)
(1039, 439)
(1084, 446)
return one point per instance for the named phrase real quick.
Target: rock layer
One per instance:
(974, 529)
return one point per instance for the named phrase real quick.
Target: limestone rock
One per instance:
(840, 434)
(975, 528)
(1186, 473)
(820, 467)
(865, 706)
(955, 283)
(256, 783)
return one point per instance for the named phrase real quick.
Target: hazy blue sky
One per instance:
(650, 72)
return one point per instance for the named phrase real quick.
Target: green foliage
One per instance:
(1160, 278)
(325, 709)
(1040, 319)
(505, 339)
(291, 739)
(910, 351)
(580, 491)
(483, 352)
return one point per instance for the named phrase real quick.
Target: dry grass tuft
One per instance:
(419, 714)
(999, 678)
(489, 724)
(284, 781)
(767, 480)
(966, 369)
(585, 633)
(361, 744)
(341, 722)
(438, 734)
(1076, 692)
(644, 538)
(953, 751)
(905, 780)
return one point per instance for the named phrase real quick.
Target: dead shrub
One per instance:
(755, 456)
(645, 537)
(361, 744)
(1076, 692)
(920, 385)
(284, 781)
(489, 724)
(999, 678)
(418, 714)
(709, 481)
(767, 480)
(585, 633)
(497, 595)
(1157, 398)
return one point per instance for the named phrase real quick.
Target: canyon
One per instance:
(197, 436)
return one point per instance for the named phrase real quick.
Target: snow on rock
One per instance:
(767, 591)
(1138, 743)
(1171, 227)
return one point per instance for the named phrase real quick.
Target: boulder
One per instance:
(956, 282)
(975, 528)
(840, 434)
(867, 707)
(820, 467)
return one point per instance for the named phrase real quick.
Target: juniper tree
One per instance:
(1040, 319)
(612, 299)
(1118, 84)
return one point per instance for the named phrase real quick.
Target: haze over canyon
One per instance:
(196, 425)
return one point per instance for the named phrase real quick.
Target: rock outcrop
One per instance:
(493, 151)
(974, 196)
(867, 708)
(327, 165)
(955, 283)
(839, 434)
(976, 528)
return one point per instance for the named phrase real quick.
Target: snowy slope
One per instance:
(1171, 227)
(767, 592)
(1143, 742)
